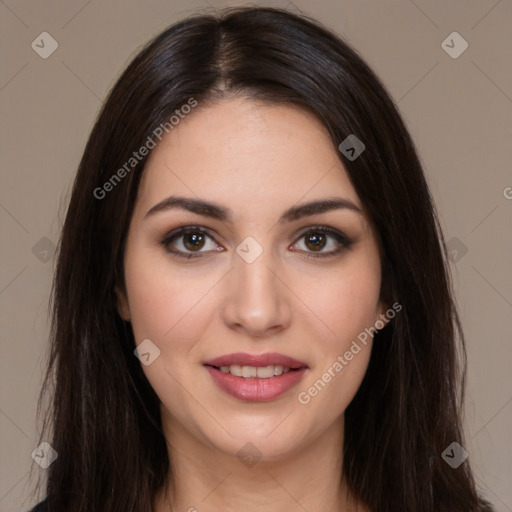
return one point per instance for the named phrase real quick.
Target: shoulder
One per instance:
(485, 506)
(40, 507)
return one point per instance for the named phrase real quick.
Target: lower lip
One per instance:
(255, 389)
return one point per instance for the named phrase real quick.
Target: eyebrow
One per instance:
(218, 212)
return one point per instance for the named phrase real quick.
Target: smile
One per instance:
(255, 378)
(261, 372)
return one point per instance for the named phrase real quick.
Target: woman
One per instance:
(252, 307)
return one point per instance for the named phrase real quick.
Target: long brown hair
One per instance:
(105, 419)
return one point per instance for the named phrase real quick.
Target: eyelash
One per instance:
(344, 241)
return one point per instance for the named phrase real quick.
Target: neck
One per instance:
(206, 479)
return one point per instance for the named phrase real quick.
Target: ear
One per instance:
(382, 319)
(382, 307)
(123, 307)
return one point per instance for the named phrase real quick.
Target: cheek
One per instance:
(347, 311)
(346, 307)
(163, 301)
(346, 304)
(171, 308)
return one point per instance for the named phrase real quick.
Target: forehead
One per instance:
(246, 154)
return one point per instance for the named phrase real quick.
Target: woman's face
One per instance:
(258, 283)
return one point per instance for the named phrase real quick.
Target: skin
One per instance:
(257, 160)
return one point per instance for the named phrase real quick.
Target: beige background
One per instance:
(458, 110)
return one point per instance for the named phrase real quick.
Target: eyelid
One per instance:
(182, 230)
(340, 237)
(322, 228)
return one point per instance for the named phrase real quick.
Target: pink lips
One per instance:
(256, 360)
(256, 389)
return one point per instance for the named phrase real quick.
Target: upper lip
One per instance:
(256, 360)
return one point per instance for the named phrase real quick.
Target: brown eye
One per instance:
(322, 242)
(315, 241)
(189, 242)
(193, 240)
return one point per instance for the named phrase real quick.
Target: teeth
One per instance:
(262, 372)
(235, 369)
(265, 372)
(249, 371)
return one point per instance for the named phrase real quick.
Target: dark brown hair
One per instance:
(408, 408)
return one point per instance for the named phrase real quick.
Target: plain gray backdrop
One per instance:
(457, 103)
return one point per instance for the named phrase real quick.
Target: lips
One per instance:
(268, 359)
(247, 377)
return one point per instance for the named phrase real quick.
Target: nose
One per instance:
(257, 302)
